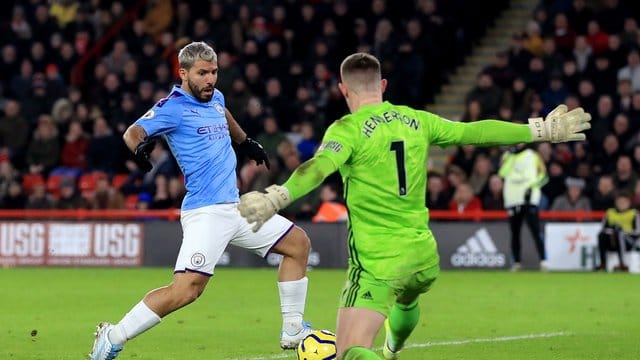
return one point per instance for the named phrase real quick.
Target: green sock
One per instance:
(359, 353)
(402, 320)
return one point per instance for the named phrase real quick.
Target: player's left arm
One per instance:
(558, 126)
(252, 148)
(235, 131)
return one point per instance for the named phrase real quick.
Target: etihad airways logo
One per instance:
(478, 251)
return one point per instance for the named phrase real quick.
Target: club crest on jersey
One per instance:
(219, 108)
(148, 115)
(197, 259)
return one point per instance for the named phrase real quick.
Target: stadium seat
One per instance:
(29, 181)
(118, 180)
(87, 182)
(131, 201)
(53, 184)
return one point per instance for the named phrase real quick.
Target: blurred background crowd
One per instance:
(74, 75)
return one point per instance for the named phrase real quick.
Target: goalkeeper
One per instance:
(381, 152)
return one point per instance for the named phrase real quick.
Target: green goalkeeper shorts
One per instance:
(364, 290)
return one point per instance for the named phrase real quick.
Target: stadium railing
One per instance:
(174, 214)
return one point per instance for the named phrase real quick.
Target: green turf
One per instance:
(589, 316)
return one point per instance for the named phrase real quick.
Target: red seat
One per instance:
(29, 181)
(53, 184)
(131, 201)
(118, 180)
(87, 182)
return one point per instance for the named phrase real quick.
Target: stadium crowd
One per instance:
(69, 88)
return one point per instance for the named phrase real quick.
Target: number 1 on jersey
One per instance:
(398, 148)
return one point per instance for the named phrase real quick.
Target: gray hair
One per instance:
(194, 51)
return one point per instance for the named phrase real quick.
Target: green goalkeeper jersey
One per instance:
(381, 152)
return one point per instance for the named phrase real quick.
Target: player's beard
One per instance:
(198, 92)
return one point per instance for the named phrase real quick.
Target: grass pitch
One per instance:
(50, 314)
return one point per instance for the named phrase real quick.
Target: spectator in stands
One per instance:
(500, 71)
(464, 200)
(564, 36)
(437, 195)
(279, 104)
(536, 76)
(331, 208)
(524, 47)
(493, 198)
(596, 38)
(105, 196)
(572, 199)
(620, 231)
(464, 158)
(632, 70)
(43, 153)
(8, 175)
(602, 120)
(70, 197)
(603, 198)
(271, 136)
(39, 198)
(100, 152)
(20, 84)
(601, 73)
(582, 53)
(555, 94)
(524, 174)
(579, 15)
(74, 150)
(14, 132)
(487, 94)
(518, 98)
(606, 155)
(15, 197)
(480, 173)
(308, 143)
(238, 99)
(38, 102)
(625, 177)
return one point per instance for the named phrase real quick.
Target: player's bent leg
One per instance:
(357, 327)
(405, 312)
(110, 339)
(292, 285)
(294, 247)
(398, 326)
(185, 288)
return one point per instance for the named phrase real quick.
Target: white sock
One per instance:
(136, 321)
(293, 295)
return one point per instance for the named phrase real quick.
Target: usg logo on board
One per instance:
(478, 251)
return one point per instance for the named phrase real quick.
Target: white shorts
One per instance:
(208, 230)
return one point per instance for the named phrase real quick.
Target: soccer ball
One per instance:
(318, 345)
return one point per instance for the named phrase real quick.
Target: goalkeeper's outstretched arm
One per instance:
(259, 207)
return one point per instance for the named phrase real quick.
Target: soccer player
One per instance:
(199, 129)
(381, 151)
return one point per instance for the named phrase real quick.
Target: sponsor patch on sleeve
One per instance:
(148, 115)
(331, 145)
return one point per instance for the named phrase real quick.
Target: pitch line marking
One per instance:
(440, 343)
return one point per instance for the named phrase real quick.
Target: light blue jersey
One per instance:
(198, 135)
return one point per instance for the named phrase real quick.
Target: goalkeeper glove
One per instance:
(255, 151)
(258, 207)
(142, 154)
(560, 125)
